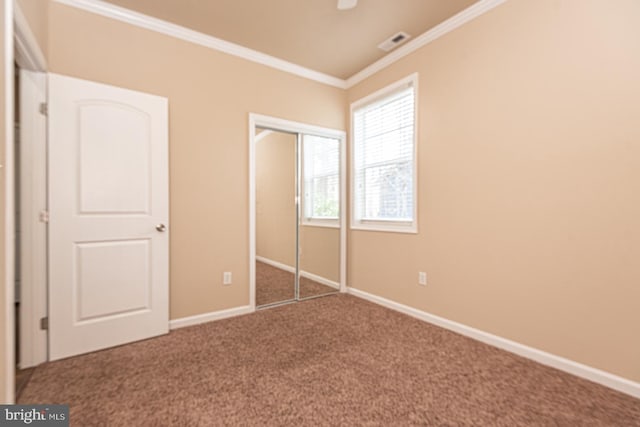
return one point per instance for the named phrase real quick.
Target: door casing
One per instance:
(33, 208)
(28, 56)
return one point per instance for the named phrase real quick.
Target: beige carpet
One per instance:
(274, 285)
(333, 361)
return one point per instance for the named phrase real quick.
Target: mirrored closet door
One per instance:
(298, 185)
(276, 216)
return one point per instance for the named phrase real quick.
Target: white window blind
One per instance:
(384, 159)
(321, 170)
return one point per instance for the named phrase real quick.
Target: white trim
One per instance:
(147, 22)
(28, 53)
(9, 210)
(578, 369)
(253, 140)
(143, 21)
(322, 223)
(343, 215)
(198, 319)
(479, 8)
(391, 227)
(305, 274)
(410, 227)
(389, 90)
(33, 233)
(278, 124)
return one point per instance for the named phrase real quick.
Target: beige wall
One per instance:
(529, 161)
(210, 96)
(36, 12)
(320, 251)
(529, 172)
(275, 197)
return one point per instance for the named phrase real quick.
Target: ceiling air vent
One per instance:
(393, 41)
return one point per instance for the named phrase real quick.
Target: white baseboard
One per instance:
(303, 273)
(587, 372)
(209, 317)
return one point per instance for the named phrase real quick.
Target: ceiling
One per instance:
(310, 33)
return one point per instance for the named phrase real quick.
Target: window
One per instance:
(383, 159)
(321, 183)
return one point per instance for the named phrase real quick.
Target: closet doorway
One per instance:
(297, 203)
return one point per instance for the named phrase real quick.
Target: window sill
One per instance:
(397, 227)
(327, 223)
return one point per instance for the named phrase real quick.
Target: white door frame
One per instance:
(33, 341)
(8, 370)
(33, 227)
(274, 123)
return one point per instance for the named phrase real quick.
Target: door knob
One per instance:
(161, 227)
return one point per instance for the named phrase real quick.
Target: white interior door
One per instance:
(108, 205)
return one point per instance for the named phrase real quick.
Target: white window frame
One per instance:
(380, 224)
(310, 220)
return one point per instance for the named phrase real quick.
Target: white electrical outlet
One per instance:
(422, 278)
(226, 278)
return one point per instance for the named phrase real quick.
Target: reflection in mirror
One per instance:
(319, 230)
(276, 216)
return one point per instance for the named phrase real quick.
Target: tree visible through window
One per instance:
(384, 158)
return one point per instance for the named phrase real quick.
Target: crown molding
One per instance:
(457, 20)
(147, 22)
(109, 10)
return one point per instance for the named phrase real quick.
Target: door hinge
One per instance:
(44, 108)
(44, 323)
(44, 216)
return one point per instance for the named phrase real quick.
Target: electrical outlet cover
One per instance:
(422, 278)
